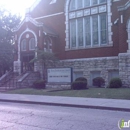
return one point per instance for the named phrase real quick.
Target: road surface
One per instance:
(14, 116)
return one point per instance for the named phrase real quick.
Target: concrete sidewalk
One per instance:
(95, 103)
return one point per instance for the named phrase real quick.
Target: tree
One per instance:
(8, 21)
(46, 58)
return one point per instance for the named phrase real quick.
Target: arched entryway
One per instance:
(27, 45)
(25, 60)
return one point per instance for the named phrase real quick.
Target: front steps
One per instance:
(13, 81)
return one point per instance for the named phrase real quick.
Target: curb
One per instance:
(68, 105)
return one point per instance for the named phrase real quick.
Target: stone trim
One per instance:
(90, 47)
(17, 67)
(28, 19)
(87, 59)
(46, 16)
(124, 7)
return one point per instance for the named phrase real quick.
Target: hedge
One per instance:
(98, 81)
(39, 84)
(115, 83)
(79, 83)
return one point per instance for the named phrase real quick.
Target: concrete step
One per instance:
(13, 83)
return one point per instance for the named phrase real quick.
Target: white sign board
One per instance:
(59, 75)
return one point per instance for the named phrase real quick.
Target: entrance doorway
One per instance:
(26, 65)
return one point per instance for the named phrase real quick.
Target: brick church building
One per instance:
(91, 36)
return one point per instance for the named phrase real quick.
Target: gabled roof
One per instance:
(37, 2)
(28, 19)
(46, 30)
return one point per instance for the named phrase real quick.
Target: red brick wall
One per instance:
(58, 24)
(33, 28)
(119, 30)
(45, 8)
(123, 30)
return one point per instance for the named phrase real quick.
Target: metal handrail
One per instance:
(4, 78)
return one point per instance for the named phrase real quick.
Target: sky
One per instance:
(17, 6)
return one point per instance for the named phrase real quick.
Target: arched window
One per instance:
(23, 45)
(47, 44)
(32, 44)
(88, 23)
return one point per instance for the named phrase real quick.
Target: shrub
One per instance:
(115, 83)
(98, 81)
(81, 79)
(39, 84)
(79, 83)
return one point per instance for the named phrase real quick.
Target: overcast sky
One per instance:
(17, 6)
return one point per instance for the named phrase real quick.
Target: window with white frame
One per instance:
(32, 44)
(23, 45)
(47, 44)
(88, 23)
(77, 4)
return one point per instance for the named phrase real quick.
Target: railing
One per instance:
(5, 78)
(27, 79)
(11, 81)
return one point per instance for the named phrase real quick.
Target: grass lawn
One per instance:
(120, 93)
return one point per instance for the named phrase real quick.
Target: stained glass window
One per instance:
(32, 44)
(103, 28)
(86, 3)
(80, 31)
(102, 1)
(48, 43)
(23, 45)
(76, 4)
(73, 33)
(79, 4)
(72, 5)
(94, 2)
(95, 29)
(87, 31)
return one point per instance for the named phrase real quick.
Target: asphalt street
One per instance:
(14, 116)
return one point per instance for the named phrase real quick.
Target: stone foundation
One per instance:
(124, 68)
(106, 67)
(88, 66)
(103, 65)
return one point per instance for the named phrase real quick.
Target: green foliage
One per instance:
(79, 83)
(7, 23)
(98, 81)
(39, 84)
(115, 83)
(46, 58)
(81, 79)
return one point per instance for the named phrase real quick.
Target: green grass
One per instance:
(120, 93)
